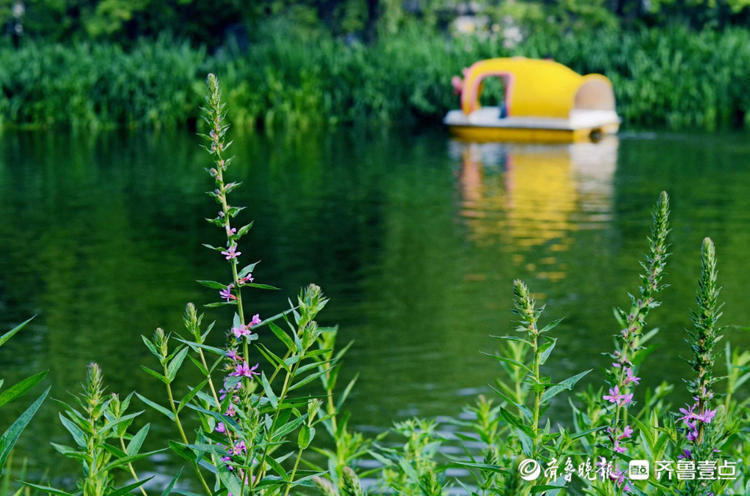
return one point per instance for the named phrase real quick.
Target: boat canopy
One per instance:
(537, 88)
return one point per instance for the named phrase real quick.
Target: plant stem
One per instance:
(294, 472)
(132, 470)
(182, 433)
(282, 397)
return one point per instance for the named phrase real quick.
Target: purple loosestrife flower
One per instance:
(627, 432)
(239, 448)
(242, 370)
(232, 355)
(220, 428)
(616, 397)
(241, 331)
(227, 293)
(231, 252)
(629, 377)
(246, 279)
(255, 320)
(707, 416)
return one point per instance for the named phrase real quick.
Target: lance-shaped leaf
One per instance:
(10, 436)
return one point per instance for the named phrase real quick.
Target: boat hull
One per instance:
(482, 134)
(485, 124)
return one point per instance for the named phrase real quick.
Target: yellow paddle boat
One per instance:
(544, 102)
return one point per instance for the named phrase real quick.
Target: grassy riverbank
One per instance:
(669, 77)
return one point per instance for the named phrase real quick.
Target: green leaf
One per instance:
(134, 446)
(126, 489)
(20, 388)
(283, 336)
(151, 347)
(308, 379)
(194, 345)
(288, 427)
(551, 325)
(220, 304)
(276, 466)
(176, 363)
(260, 286)
(230, 481)
(244, 230)
(247, 269)
(128, 459)
(168, 490)
(305, 436)
(562, 386)
(182, 451)
(512, 338)
(78, 436)
(516, 422)
(539, 489)
(10, 436)
(198, 365)
(156, 407)
(185, 399)
(47, 489)
(155, 374)
(509, 361)
(212, 284)
(269, 390)
(5, 337)
(547, 350)
(68, 451)
(272, 358)
(347, 390)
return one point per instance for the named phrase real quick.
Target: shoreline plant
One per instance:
(266, 414)
(670, 77)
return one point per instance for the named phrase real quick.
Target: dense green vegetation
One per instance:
(350, 61)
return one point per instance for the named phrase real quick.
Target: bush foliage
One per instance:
(670, 77)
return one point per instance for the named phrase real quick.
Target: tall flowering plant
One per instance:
(256, 408)
(703, 433)
(629, 350)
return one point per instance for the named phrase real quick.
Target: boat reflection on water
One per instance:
(531, 199)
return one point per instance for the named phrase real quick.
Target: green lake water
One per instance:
(415, 238)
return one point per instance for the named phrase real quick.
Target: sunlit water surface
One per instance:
(415, 238)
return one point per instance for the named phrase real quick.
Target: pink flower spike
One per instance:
(242, 370)
(614, 395)
(707, 416)
(227, 294)
(240, 448)
(231, 252)
(240, 331)
(255, 320)
(630, 377)
(627, 432)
